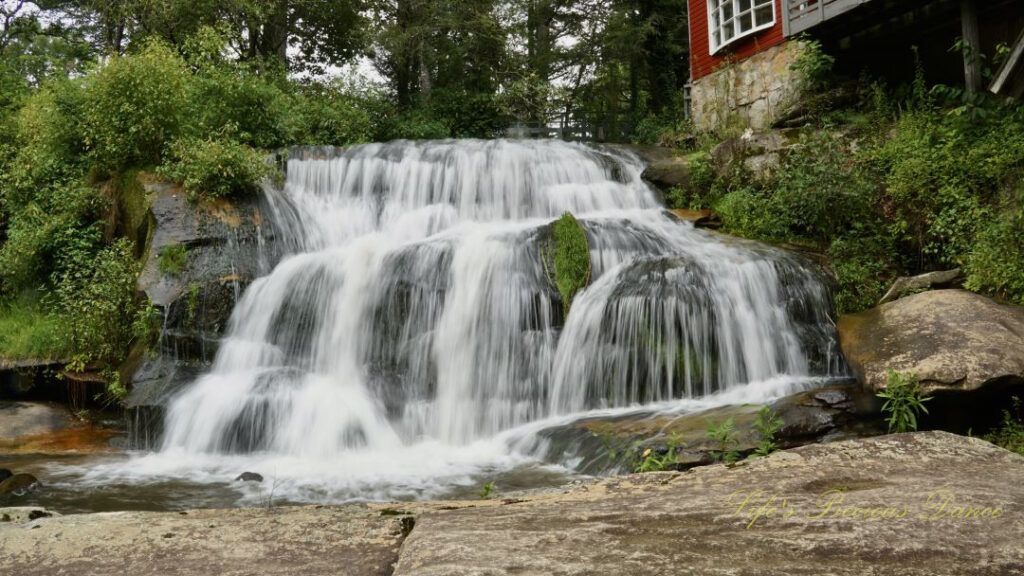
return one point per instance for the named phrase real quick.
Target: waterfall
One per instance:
(416, 311)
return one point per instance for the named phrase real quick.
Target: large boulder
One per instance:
(953, 340)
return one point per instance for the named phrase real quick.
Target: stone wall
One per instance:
(750, 93)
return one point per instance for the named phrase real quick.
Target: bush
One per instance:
(331, 114)
(98, 304)
(1010, 433)
(214, 168)
(416, 124)
(27, 331)
(995, 263)
(134, 105)
(903, 402)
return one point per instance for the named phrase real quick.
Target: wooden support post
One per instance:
(972, 45)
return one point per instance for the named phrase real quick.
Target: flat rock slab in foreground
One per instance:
(301, 541)
(667, 523)
(684, 524)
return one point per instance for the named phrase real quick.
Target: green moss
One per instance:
(571, 256)
(172, 259)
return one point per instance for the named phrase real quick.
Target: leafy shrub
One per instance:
(98, 305)
(29, 331)
(652, 460)
(332, 114)
(416, 124)
(724, 436)
(995, 263)
(214, 168)
(1010, 433)
(813, 65)
(766, 425)
(134, 105)
(903, 401)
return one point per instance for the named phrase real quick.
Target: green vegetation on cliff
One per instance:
(889, 188)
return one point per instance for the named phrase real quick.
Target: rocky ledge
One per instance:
(911, 504)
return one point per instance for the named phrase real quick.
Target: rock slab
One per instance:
(301, 541)
(953, 340)
(692, 523)
(709, 521)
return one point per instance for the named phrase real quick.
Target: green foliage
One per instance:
(415, 124)
(813, 65)
(995, 263)
(27, 331)
(652, 460)
(172, 259)
(133, 106)
(214, 168)
(487, 491)
(97, 301)
(724, 436)
(571, 255)
(1010, 433)
(767, 425)
(903, 401)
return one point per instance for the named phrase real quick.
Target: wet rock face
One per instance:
(220, 247)
(18, 485)
(604, 445)
(953, 340)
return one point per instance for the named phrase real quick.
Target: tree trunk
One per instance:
(972, 45)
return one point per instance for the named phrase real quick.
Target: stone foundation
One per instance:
(751, 93)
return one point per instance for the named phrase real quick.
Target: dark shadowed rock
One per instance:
(249, 477)
(607, 444)
(907, 286)
(953, 340)
(699, 218)
(18, 485)
(5, 474)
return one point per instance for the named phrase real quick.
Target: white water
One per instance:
(414, 342)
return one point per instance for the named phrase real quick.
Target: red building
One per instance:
(742, 54)
(724, 30)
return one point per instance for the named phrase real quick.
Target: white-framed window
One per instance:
(730, 20)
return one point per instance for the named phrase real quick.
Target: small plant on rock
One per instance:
(903, 401)
(654, 461)
(766, 425)
(487, 491)
(724, 438)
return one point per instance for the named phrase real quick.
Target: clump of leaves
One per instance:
(214, 168)
(766, 425)
(571, 255)
(724, 436)
(903, 401)
(487, 491)
(1010, 434)
(652, 460)
(172, 259)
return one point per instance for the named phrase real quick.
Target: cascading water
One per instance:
(415, 329)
